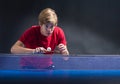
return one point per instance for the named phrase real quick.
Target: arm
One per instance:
(65, 51)
(18, 48)
(62, 49)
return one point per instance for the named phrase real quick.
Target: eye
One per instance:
(49, 26)
(46, 26)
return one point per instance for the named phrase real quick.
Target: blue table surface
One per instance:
(82, 69)
(80, 62)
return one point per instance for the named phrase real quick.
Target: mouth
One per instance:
(48, 34)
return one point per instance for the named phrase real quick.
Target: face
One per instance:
(47, 29)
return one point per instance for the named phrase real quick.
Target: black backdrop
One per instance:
(91, 26)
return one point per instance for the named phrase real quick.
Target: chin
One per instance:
(47, 35)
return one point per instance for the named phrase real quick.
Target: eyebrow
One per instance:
(51, 25)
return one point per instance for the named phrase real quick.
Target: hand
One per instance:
(62, 48)
(39, 50)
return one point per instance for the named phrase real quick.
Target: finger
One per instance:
(37, 49)
(60, 45)
(43, 50)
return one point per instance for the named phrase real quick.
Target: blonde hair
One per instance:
(48, 15)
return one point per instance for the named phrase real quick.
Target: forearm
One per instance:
(65, 52)
(21, 50)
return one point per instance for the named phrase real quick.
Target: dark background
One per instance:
(91, 26)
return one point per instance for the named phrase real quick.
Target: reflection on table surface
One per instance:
(74, 62)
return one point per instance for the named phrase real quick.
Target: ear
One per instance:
(39, 23)
(56, 24)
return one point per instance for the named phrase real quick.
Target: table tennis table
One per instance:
(85, 69)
